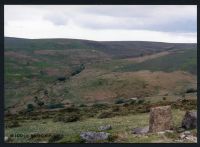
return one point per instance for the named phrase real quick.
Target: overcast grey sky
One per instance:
(126, 22)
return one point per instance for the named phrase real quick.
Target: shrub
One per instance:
(54, 106)
(106, 114)
(78, 70)
(112, 137)
(55, 138)
(61, 78)
(71, 109)
(119, 101)
(30, 107)
(191, 90)
(12, 124)
(69, 118)
(40, 103)
(82, 105)
(133, 102)
(100, 105)
(141, 101)
(115, 108)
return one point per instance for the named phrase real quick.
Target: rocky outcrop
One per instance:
(160, 119)
(92, 137)
(144, 130)
(104, 128)
(190, 120)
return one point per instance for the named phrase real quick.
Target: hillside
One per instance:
(59, 88)
(116, 49)
(94, 71)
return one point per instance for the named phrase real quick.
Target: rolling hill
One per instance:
(94, 71)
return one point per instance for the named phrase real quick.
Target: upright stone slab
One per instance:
(160, 119)
(190, 120)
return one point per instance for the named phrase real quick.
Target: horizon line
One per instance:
(98, 40)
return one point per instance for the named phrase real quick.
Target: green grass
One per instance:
(121, 126)
(186, 61)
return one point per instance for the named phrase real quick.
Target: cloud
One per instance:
(56, 19)
(133, 22)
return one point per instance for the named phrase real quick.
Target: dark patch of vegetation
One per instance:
(72, 139)
(73, 117)
(30, 107)
(185, 104)
(12, 124)
(56, 137)
(112, 137)
(54, 106)
(82, 105)
(119, 101)
(140, 101)
(78, 69)
(191, 90)
(172, 135)
(61, 79)
(71, 109)
(115, 108)
(164, 98)
(100, 105)
(106, 114)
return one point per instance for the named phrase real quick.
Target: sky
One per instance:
(162, 23)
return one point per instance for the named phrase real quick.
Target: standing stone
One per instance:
(160, 119)
(190, 120)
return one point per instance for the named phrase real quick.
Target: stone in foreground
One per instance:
(92, 137)
(5, 138)
(104, 128)
(144, 130)
(190, 120)
(160, 119)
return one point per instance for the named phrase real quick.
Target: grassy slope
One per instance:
(121, 127)
(186, 61)
(32, 66)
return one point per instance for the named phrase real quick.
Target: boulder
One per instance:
(190, 120)
(144, 130)
(160, 119)
(92, 137)
(6, 138)
(104, 128)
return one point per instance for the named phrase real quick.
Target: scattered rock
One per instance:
(161, 132)
(94, 136)
(180, 130)
(169, 131)
(160, 119)
(182, 136)
(187, 133)
(144, 130)
(134, 98)
(190, 120)
(6, 138)
(178, 140)
(191, 138)
(104, 128)
(43, 142)
(187, 136)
